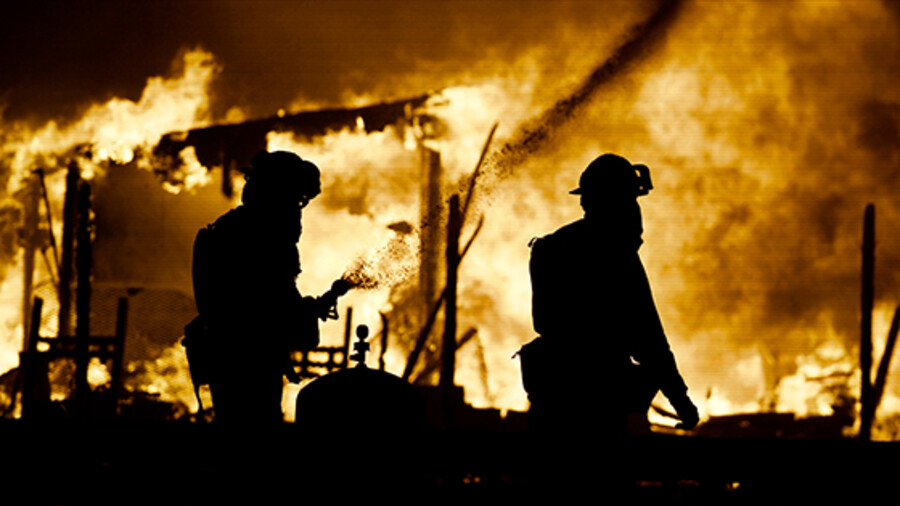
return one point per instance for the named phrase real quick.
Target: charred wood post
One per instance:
(83, 298)
(348, 332)
(67, 262)
(448, 350)
(867, 411)
(431, 216)
(35, 383)
(29, 245)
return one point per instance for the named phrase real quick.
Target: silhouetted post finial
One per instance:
(360, 347)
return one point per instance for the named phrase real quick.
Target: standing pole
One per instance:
(67, 262)
(448, 351)
(29, 246)
(867, 303)
(448, 358)
(431, 218)
(348, 331)
(31, 371)
(83, 299)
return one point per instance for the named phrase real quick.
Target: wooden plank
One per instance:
(865, 343)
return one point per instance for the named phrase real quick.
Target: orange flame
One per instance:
(765, 139)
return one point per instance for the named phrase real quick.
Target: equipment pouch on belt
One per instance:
(197, 344)
(539, 363)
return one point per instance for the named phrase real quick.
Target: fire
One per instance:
(374, 235)
(116, 132)
(766, 189)
(191, 173)
(765, 140)
(118, 129)
(10, 319)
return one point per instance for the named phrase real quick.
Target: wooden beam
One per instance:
(448, 347)
(865, 344)
(83, 261)
(30, 364)
(29, 247)
(67, 262)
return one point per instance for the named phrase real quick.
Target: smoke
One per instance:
(767, 126)
(535, 134)
(465, 112)
(274, 53)
(767, 146)
(766, 139)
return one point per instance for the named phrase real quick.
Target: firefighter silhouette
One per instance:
(244, 268)
(602, 353)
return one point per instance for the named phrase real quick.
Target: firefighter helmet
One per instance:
(611, 174)
(281, 176)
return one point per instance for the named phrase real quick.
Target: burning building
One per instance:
(769, 126)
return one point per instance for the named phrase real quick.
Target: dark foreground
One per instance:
(186, 463)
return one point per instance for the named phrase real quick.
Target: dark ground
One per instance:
(187, 463)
